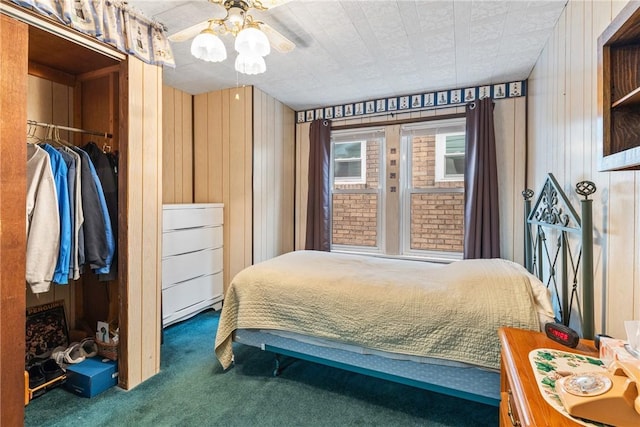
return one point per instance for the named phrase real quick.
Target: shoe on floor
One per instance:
(36, 375)
(51, 370)
(74, 353)
(89, 347)
(57, 354)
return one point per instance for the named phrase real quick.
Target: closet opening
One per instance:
(73, 86)
(54, 74)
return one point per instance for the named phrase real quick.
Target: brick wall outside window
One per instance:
(436, 218)
(355, 216)
(436, 222)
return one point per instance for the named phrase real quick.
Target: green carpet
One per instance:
(192, 390)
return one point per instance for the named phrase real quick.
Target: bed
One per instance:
(428, 325)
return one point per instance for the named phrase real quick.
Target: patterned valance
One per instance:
(112, 22)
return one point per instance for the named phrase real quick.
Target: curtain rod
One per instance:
(91, 132)
(396, 121)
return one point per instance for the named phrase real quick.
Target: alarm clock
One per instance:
(562, 334)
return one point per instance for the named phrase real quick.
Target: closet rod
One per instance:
(91, 132)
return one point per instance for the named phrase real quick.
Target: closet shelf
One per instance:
(632, 98)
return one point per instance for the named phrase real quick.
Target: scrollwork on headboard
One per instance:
(554, 211)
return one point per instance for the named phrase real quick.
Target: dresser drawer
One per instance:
(508, 414)
(186, 294)
(175, 217)
(179, 268)
(178, 242)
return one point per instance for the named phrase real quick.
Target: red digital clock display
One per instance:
(562, 334)
(559, 334)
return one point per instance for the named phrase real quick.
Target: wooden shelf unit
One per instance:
(619, 88)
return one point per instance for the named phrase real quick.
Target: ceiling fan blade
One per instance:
(189, 32)
(277, 40)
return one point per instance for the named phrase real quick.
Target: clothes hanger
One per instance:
(48, 136)
(32, 136)
(106, 148)
(31, 133)
(60, 141)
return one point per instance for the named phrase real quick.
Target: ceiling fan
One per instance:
(253, 38)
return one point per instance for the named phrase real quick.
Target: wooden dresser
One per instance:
(521, 403)
(191, 260)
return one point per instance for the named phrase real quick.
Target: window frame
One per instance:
(362, 179)
(394, 221)
(441, 157)
(377, 133)
(407, 191)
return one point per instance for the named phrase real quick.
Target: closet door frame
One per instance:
(13, 105)
(140, 100)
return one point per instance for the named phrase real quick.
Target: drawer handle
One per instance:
(514, 422)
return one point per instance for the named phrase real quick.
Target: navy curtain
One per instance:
(481, 220)
(318, 201)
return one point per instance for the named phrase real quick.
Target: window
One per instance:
(433, 192)
(350, 164)
(409, 204)
(356, 190)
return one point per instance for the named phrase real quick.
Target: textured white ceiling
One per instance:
(357, 50)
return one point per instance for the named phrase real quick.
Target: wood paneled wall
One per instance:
(509, 117)
(302, 184)
(509, 122)
(273, 177)
(96, 107)
(177, 144)
(223, 168)
(244, 157)
(142, 238)
(563, 139)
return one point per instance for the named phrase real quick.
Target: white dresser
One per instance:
(191, 260)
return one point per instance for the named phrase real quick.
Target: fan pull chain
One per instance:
(237, 87)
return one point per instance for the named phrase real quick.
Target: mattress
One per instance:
(443, 376)
(356, 350)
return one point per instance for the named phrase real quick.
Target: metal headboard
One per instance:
(553, 212)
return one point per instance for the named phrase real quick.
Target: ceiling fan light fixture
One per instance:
(253, 42)
(250, 64)
(235, 15)
(208, 47)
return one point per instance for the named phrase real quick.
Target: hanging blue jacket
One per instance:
(61, 180)
(71, 183)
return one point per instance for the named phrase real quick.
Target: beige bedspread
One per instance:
(450, 311)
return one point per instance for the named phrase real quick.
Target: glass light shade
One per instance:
(252, 41)
(250, 64)
(208, 47)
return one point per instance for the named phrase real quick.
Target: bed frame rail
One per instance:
(553, 213)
